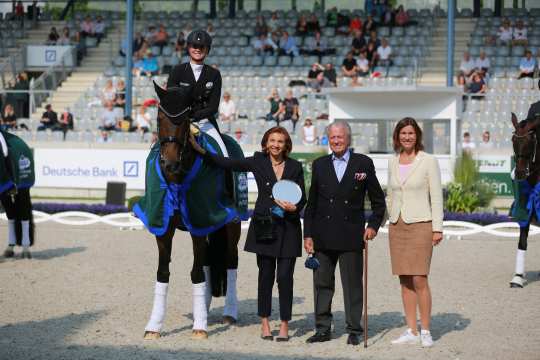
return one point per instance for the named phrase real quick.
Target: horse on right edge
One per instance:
(526, 207)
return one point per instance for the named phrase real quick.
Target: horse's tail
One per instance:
(217, 250)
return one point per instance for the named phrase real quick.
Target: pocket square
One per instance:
(360, 176)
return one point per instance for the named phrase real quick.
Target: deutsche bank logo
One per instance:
(50, 55)
(131, 168)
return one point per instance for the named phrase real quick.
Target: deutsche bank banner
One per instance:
(89, 168)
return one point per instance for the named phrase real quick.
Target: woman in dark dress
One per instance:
(268, 166)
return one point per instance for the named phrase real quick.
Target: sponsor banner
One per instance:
(89, 168)
(495, 170)
(45, 56)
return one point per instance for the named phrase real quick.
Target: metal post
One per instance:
(450, 44)
(129, 57)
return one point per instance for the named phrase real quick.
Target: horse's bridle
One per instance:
(173, 139)
(529, 160)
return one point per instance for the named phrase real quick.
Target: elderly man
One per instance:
(334, 228)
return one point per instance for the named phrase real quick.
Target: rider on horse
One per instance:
(204, 82)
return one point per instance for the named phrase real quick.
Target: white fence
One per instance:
(128, 221)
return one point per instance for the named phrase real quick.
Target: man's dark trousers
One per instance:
(351, 270)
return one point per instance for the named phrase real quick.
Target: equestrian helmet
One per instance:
(199, 38)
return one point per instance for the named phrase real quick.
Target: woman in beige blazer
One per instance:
(415, 207)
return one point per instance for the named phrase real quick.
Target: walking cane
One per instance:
(365, 292)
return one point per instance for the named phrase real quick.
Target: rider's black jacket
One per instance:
(206, 91)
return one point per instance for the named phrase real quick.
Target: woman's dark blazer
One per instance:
(288, 242)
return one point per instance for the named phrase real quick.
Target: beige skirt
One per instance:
(411, 247)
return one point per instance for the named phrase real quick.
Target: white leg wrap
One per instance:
(231, 300)
(520, 262)
(200, 314)
(25, 233)
(155, 323)
(12, 237)
(208, 293)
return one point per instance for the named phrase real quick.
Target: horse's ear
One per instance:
(161, 92)
(514, 121)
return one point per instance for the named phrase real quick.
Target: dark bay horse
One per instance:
(526, 144)
(215, 257)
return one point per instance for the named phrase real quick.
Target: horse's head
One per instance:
(524, 142)
(174, 112)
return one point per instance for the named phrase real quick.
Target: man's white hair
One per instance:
(342, 124)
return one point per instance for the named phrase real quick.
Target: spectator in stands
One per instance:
(240, 137)
(371, 54)
(402, 18)
(87, 27)
(315, 70)
(287, 45)
(273, 23)
(527, 66)
(520, 34)
(108, 93)
(276, 110)
(332, 17)
(374, 38)
(31, 9)
(349, 65)
(384, 53)
(362, 65)
(180, 44)
(49, 119)
(477, 85)
(355, 81)
(227, 112)
(161, 38)
(486, 143)
(309, 133)
(147, 66)
(21, 99)
(142, 121)
(330, 74)
(505, 32)
(467, 145)
(355, 24)
(211, 30)
(313, 25)
(388, 15)
(482, 64)
(301, 26)
(150, 35)
(109, 119)
(292, 108)
(260, 26)
(320, 82)
(358, 42)
(99, 29)
(120, 95)
(53, 36)
(65, 38)
(343, 22)
(9, 119)
(264, 45)
(19, 12)
(466, 68)
(104, 137)
(65, 123)
(369, 25)
(318, 46)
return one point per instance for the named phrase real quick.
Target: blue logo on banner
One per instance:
(131, 168)
(50, 55)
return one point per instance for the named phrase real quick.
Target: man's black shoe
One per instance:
(319, 337)
(353, 340)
